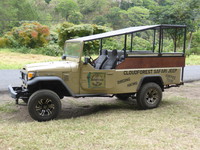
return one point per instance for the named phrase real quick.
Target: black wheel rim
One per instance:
(45, 107)
(152, 96)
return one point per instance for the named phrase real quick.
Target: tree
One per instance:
(7, 18)
(89, 6)
(47, 1)
(137, 16)
(115, 17)
(125, 5)
(178, 12)
(26, 10)
(100, 20)
(75, 17)
(137, 2)
(12, 12)
(67, 7)
(91, 9)
(149, 4)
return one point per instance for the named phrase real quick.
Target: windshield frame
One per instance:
(71, 57)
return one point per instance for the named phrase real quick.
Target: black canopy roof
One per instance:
(123, 31)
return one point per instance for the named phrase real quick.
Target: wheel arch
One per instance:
(151, 78)
(53, 83)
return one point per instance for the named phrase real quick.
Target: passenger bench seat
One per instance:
(101, 59)
(111, 62)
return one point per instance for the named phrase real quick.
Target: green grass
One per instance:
(109, 125)
(7, 108)
(193, 60)
(14, 60)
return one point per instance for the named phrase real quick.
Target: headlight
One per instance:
(31, 75)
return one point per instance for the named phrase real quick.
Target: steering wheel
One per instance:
(91, 60)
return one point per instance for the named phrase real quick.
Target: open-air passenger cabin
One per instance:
(155, 57)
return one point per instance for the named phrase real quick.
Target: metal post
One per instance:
(125, 39)
(154, 40)
(100, 46)
(160, 36)
(185, 34)
(175, 40)
(162, 40)
(131, 42)
(182, 76)
(184, 46)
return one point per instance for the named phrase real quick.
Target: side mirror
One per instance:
(63, 57)
(86, 60)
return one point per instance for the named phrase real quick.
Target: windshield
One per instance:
(72, 49)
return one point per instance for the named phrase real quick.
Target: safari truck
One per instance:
(130, 72)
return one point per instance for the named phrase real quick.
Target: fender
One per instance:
(35, 81)
(151, 78)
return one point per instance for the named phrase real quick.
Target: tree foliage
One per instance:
(30, 35)
(111, 13)
(137, 16)
(69, 31)
(177, 12)
(195, 47)
(89, 6)
(185, 12)
(67, 8)
(115, 17)
(47, 1)
(7, 17)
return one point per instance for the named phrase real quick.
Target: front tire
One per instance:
(149, 96)
(44, 105)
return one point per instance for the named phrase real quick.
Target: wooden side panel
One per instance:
(152, 62)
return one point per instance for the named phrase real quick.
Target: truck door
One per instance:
(96, 80)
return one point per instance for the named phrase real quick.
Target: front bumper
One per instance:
(17, 92)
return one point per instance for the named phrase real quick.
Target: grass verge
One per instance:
(193, 60)
(13, 60)
(7, 108)
(109, 125)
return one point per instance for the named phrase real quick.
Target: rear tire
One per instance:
(149, 96)
(44, 105)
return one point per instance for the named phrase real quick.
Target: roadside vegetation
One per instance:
(69, 19)
(15, 60)
(193, 60)
(107, 123)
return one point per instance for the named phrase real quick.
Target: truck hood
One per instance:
(53, 66)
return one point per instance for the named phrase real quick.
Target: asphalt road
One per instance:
(7, 77)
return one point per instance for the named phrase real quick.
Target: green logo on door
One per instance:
(96, 80)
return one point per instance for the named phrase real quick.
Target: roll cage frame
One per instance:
(132, 30)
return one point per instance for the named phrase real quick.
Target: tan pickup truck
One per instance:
(126, 73)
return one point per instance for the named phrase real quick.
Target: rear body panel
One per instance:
(125, 80)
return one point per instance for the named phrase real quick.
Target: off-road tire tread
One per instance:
(38, 94)
(140, 95)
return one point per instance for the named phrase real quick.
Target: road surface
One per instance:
(7, 77)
